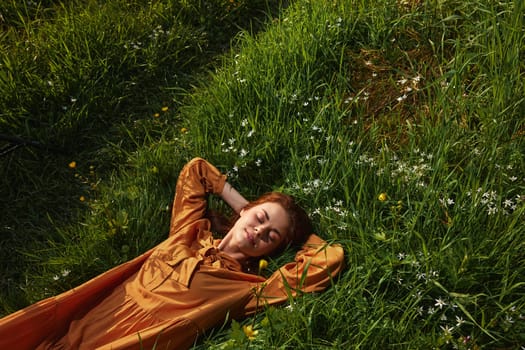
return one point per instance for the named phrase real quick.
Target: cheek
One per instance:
(269, 247)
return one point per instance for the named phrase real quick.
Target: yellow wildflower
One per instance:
(156, 115)
(263, 264)
(382, 197)
(164, 109)
(82, 198)
(183, 130)
(73, 165)
(250, 332)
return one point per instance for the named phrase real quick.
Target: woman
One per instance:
(191, 282)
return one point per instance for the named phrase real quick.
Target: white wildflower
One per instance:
(447, 330)
(492, 210)
(440, 303)
(420, 311)
(402, 98)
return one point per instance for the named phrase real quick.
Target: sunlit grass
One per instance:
(90, 82)
(398, 125)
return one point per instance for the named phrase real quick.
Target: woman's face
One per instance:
(261, 229)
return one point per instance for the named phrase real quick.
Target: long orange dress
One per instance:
(169, 295)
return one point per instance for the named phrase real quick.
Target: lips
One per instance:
(250, 237)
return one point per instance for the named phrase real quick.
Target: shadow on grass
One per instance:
(93, 92)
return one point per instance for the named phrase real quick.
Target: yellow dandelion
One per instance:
(73, 165)
(263, 264)
(156, 115)
(250, 332)
(82, 198)
(164, 109)
(183, 130)
(382, 197)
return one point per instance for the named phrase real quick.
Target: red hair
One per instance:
(300, 224)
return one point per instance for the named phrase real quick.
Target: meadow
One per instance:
(399, 125)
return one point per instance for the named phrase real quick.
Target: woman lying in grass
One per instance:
(190, 282)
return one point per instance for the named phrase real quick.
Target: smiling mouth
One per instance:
(250, 237)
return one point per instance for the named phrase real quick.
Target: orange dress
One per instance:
(172, 293)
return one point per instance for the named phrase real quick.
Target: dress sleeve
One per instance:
(197, 179)
(312, 271)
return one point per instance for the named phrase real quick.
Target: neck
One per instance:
(225, 246)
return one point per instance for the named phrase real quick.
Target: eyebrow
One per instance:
(268, 218)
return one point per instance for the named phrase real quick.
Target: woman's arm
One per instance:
(234, 199)
(196, 181)
(313, 270)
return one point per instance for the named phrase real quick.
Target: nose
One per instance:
(260, 229)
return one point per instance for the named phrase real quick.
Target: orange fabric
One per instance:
(173, 292)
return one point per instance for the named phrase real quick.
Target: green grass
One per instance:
(334, 102)
(88, 80)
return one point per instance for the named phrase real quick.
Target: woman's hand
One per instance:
(234, 199)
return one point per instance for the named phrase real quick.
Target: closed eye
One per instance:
(266, 216)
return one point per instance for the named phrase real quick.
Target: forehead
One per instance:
(276, 213)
